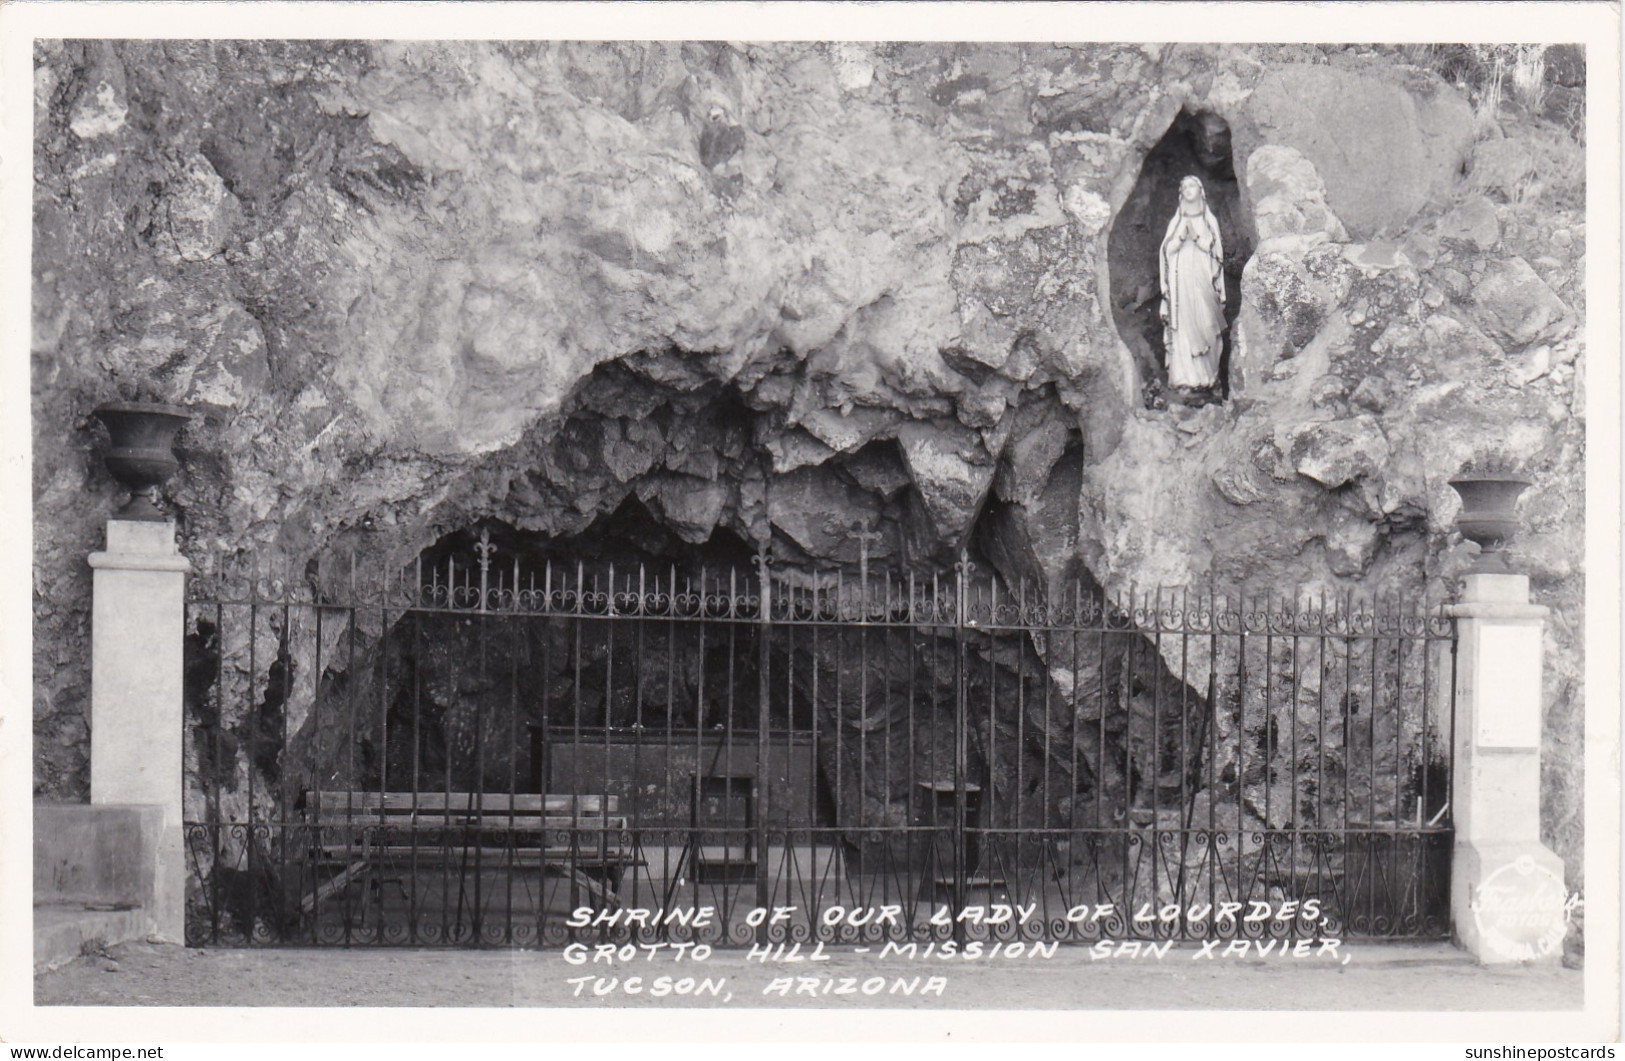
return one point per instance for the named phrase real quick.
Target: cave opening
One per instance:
(635, 664)
(1198, 144)
(589, 624)
(891, 724)
(629, 535)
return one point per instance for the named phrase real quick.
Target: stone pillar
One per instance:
(137, 626)
(1507, 893)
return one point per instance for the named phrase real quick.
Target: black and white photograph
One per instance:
(689, 519)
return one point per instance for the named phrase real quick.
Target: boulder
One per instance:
(200, 212)
(792, 449)
(1285, 292)
(1515, 307)
(951, 471)
(1282, 309)
(878, 469)
(1241, 484)
(1038, 437)
(1384, 149)
(819, 511)
(843, 431)
(631, 448)
(103, 104)
(689, 506)
(1289, 197)
(1337, 452)
(1456, 349)
(1473, 222)
(1350, 543)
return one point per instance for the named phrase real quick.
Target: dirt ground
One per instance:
(1373, 977)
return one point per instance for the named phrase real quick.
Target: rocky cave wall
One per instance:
(792, 291)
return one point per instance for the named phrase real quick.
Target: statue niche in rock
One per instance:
(1191, 268)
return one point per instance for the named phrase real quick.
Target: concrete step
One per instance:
(61, 930)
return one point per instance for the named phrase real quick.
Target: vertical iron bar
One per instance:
(577, 746)
(1433, 655)
(977, 855)
(912, 780)
(787, 766)
(383, 715)
(277, 835)
(253, 720)
(351, 782)
(663, 803)
(635, 785)
(1105, 702)
(763, 722)
(1132, 642)
(1273, 727)
(1371, 718)
(216, 824)
(541, 749)
(1346, 734)
(1373, 839)
(961, 738)
(518, 631)
(886, 636)
(843, 806)
(688, 859)
(209, 779)
(861, 615)
(447, 929)
(1430, 655)
(1323, 842)
(306, 878)
(594, 830)
(1216, 849)
(416, 617)
(816, 612)
(1182, 814)
(1398, 705)
(1025, 621)
(1398, 799)
(932, 838)
(730, 738)
(1159, 664)
(1450, 750)
(1297, 842)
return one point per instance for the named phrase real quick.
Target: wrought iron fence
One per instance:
(474, 753)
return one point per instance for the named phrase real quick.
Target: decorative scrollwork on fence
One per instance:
(1099, 707)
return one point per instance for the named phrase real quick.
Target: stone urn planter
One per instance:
(142, 456)
(1488, 500)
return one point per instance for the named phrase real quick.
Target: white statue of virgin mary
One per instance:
(1190, 265)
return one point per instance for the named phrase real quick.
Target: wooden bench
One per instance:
(574, 835)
